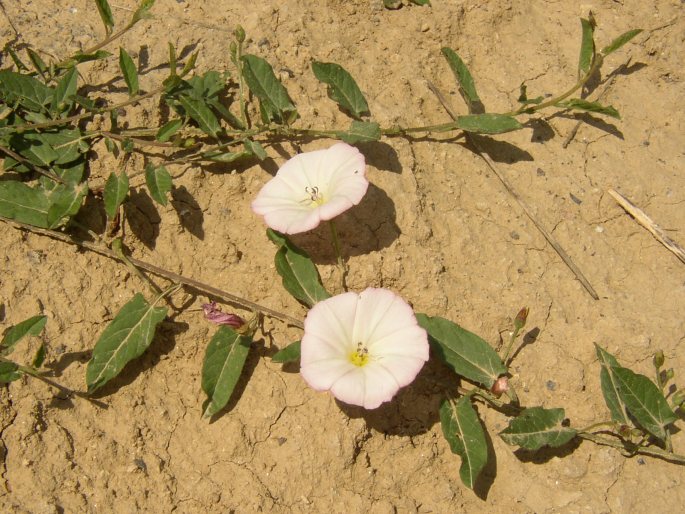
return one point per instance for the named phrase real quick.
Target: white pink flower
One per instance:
(362, 347)
(312, 187)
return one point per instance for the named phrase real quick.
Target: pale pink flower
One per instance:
(312, 187)
(362, 347)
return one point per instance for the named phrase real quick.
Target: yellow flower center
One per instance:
(360, 357)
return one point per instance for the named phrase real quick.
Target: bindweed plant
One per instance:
(362, 347)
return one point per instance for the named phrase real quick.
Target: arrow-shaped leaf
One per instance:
(274, 101)
(116, 189)
(158, 183)
(202, 114)
(644, 400)
(587, 46)
(224, 361)
(29, 327)
(300, 276)
(126, 338)
(361, 132)
(25, 90)
(65, 202)
(537, 427)
(23, 203)
(342, 88)
(128, 69)
(488, 123)
(467, 87)
(9, 372)
(464, 433)
(290, 353)
(609, 386)
(105, 15)
(620, 41)
(463, 351)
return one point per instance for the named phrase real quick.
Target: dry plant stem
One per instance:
(491, 164)
(173, 277)
(35, 168)
(644, 220)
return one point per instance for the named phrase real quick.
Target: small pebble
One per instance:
(551, 385)
(425, 27)
(599, 229)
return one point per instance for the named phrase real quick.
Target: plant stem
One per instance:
(336, 246)
(650, 451)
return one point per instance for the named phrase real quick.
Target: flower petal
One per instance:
(323, 374)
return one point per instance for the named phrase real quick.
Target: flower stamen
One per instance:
(314, 194)
(360, 357)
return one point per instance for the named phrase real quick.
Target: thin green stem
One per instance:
(512, 338)
(642, 450)
(594, 426)
(338, 254)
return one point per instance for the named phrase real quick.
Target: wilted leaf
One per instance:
(644, 400)
(488, 123)
(537, 427)
(224, 361)
(24, 90)
(105, 15)
(463, 351)
(342, 88)
(158, 183)
(464, 433)
(587, 46)
(290, 353)
(300, 276)
(467, 87)
(126, 337)
(616, 406)
(274, 101)
(202, 115)
(361, 132)
(128, 69)
(29, 327)
(23, 203)
(168, 129)
(115, 192)
(583, 105)
(620, 41)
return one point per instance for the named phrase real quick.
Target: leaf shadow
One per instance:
(593, 121)
(498, 150)
(381, 156)
(544, 455)
(162, 344)
(189, 212)
(142, 217)
(253, 358)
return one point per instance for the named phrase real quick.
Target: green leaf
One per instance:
(105, 15)
(23, 203)
(361, 132)
(128, 68)
(65, 91)
(168, 129)
(29, 327)
(9, 372)
(300, 276)
(644, 400)
(126, 338)
(342, 88)
(290, 353)
(158, 183)
(274, 101)
(219, 156)
(620, 41)
(420, 2)
(464, 433)
(224, 361)
(583, 105)
(81, 57)
(142, 11)
(463, 351)
(172, 60)
(488, 123)
(66, 200)
(587, 46)
(392, 4)
(190, 64)
(115, 192)
(537, 427)
(467, 87)
(39, 357)
(616, 406)
(27, 91)
(203, 116)
(34, 147)
(255, 148)
(15, 58)
(37, 62)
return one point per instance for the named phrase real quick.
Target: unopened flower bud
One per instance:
(659, 359)
(669, 375)
(239, 34)
(636, 432)
(233, 48)
(678, 398)
(521, 317)
(500, 386)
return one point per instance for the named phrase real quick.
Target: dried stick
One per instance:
(491, 164)
(647, 223)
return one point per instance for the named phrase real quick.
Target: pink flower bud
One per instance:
(214, 314)
(500, 386)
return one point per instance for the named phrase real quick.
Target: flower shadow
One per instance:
(365, 228)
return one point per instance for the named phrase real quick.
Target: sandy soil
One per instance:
(437, 227)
